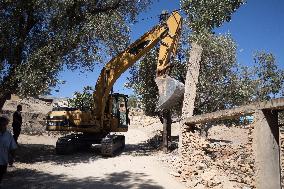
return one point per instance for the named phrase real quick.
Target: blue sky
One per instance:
(257, 25)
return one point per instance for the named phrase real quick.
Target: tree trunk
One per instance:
(3, 98)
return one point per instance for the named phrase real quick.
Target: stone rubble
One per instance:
(34, 112)
(211, 163)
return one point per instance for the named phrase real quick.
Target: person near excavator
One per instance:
(17, 123)
(7, 147)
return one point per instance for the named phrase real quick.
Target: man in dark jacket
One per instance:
(17, 123)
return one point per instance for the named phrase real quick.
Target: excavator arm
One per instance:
(167, 32)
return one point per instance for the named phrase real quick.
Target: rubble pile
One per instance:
(136, 111)
(34, 112)
(144, 120)
(214, 162)
(30, 105)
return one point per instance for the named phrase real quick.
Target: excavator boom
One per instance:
(168, 33)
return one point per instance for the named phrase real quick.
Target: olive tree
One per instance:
(82, 100)
(217, 79)
(40, 38)
(218, 59)
(267, 76)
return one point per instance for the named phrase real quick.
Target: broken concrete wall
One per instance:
(191, 81)
(190, 86)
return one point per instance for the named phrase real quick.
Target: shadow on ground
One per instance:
(32, 179)
(41, 153)
(149, 147)
(33, 153)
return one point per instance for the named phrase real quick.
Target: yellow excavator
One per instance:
(110, 112)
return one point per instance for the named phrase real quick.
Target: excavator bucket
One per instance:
(170, 90)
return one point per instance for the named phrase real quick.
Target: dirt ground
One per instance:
(140, 165)
(37, 166)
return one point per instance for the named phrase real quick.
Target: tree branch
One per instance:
(105, 9)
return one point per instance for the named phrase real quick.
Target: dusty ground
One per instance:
(141, 165)
(37, 166)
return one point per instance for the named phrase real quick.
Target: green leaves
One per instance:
(38, 38)
(217, 82)
(82, 101)
(222, 82)
(204, 15)
(268, 78)
(143, 81)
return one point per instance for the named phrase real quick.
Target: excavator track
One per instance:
(76, 142)
(66, 145)
(112, 144)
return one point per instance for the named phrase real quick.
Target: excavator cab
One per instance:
(120, 109)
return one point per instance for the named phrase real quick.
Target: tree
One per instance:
(142, 80)
(217, 84)
(218, 56)
(82, 101)
(268, 78)
(217, 81)
(203, 16)
(38, 38)
(132, 101)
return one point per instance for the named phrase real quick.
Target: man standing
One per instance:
(17, 123)
(7, 147)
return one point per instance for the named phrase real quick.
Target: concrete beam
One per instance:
(275, 104)
(267, 151)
